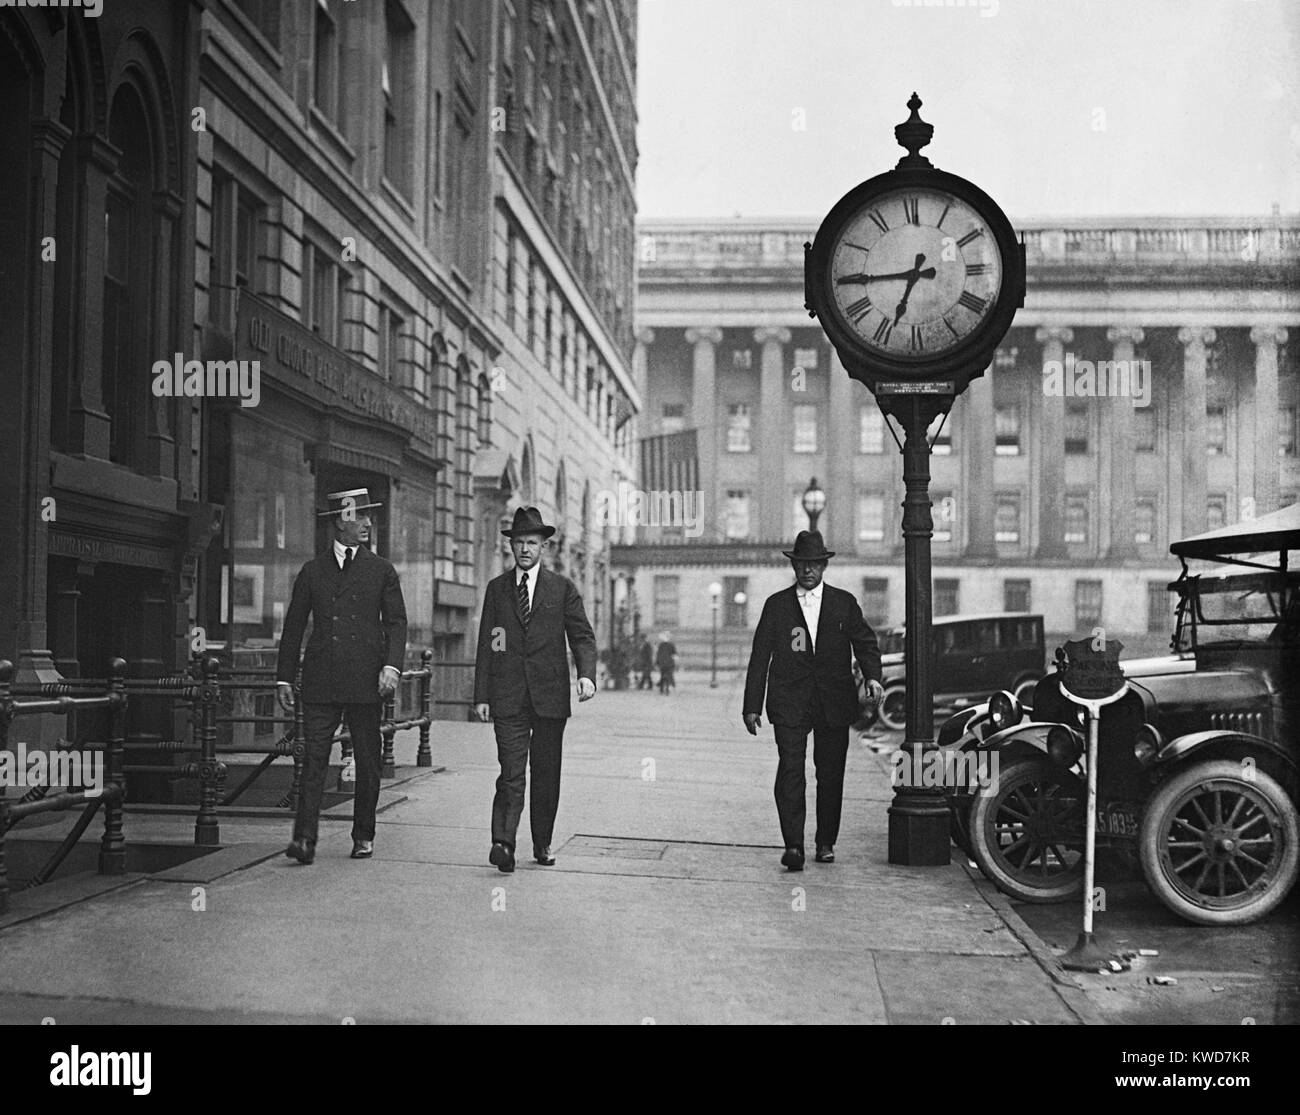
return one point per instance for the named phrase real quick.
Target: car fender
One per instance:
(1182, 748)
(1027, 735)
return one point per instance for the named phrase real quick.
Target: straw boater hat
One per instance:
(358, 499)
(528, 520)
(808, 546)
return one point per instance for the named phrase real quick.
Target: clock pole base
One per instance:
(919, 834)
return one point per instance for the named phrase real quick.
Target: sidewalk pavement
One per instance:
(668, 903)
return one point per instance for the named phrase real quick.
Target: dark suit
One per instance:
(810, 688)
(522, 671)
(358, 627)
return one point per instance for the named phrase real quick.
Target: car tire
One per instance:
(1182, 807)
(893, 708)
(1055, 799)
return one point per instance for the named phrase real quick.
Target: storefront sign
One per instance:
(101, 550)
(297, 358)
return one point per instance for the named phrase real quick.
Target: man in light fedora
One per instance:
(521, 684)
(353, 662)
(801, 656)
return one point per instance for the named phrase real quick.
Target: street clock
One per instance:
(915, 275)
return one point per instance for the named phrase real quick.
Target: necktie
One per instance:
(347, 559)
(523, 599)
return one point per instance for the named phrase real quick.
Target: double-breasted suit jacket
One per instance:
(809, 685)
(517, 661)
(358, 628)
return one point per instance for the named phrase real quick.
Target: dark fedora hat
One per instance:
(357, 499)
(528, 520)
(808, 546)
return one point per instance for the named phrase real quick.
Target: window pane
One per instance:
(737, 514)
(1216, 430)
(1160, 611)
(805, 428)
(1006, 431)
(1007, 518)
(1015, 596)
(946, 597)
(666, 600)
(875, 600)
(1087, 605)
(1076, 428)
(1076, 520)
(738, 427)
(871, 517)
(871, 430)
(1144, 522)
(1144, 428)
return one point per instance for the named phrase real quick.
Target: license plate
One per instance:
(1117, 820)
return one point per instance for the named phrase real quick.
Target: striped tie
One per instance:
(523, 599)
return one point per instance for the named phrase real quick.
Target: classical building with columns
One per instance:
(1049, 495)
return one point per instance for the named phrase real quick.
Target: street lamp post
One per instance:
(715, 591)
(814, 502)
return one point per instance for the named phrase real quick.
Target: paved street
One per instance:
(667, 903)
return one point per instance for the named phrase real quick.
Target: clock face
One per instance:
(914, 273)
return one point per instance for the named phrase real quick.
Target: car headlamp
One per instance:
(1004, 710)
(1147, 743)
(1064, 745)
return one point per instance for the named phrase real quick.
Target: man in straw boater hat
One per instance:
(801, 656)
(353, 662)
(521, 684)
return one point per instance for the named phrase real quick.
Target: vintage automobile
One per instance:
(974, 657)
(1197, 771)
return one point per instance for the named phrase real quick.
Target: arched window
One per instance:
(484, 411)
(526, 472)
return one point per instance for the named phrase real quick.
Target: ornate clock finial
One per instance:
(913, 134)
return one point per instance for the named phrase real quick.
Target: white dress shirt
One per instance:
(529, 578)
(811, 603)
(340, 551)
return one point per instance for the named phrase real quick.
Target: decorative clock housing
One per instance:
(915, 274)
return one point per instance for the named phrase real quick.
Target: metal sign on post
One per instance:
(1092, 681)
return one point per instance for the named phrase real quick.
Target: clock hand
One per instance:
(859, 278)
(912, 277)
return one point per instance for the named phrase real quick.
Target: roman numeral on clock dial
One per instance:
(880, 221)
(976, 269)
(912, 210)
(883, 331)
(916, 343)
(972, 301)
(974, 234)
(856, 311)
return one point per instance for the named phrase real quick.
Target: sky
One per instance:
(1070, 108)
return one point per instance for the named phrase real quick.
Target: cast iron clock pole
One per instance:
(915, 275)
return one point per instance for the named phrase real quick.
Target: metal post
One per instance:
(6, 715)
(424, 754)
(388, 729)
(713, 676)
(112, 849)
(207, 829)
(918, 817)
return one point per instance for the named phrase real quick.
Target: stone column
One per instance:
(978, 450)
(1195, 341)
(1266, 340)
(844, 396)
(704, 413)
(773, 431)
(1118, 487)
(1049, 448)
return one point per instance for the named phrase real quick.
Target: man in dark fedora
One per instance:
(801, 656)
(521, 684)
(353, 662)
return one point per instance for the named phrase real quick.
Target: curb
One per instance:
(1069, 990)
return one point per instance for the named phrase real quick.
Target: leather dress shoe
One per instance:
(793, 859)
(502, 858)
(301, 850)
(825, 853)
(363, 849)
(543, 855)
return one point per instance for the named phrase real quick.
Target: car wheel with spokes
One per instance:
(1219, 843)
(1026, 830)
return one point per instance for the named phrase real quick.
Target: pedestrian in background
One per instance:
(352, 664)
(666, 660)
(521, 684)
(645, 661)
(802, 657)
